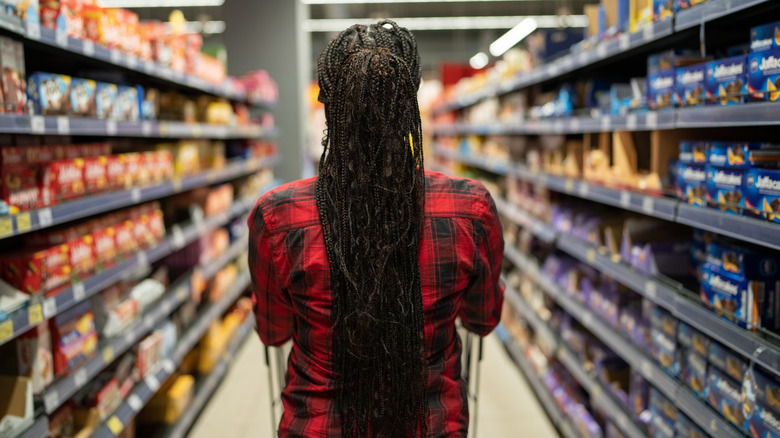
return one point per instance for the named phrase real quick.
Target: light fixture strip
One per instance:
(158, 3)
(450, 23)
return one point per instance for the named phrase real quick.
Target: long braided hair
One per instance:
(370, 195)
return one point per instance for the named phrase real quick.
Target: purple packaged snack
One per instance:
(728, 361)
(664, 415)
(662, 257)
(686, 428)
(638, 394)
(693, 339)
(725, 395)
(694, 372)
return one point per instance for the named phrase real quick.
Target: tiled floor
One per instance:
(240, 407)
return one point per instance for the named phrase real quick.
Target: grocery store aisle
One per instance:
(240, 407)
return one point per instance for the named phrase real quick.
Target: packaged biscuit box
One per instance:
(724, 189)
(741, 301)
(661, 89)
(690, 85)
(748, 263)
(765, 37)
(762, 193)
(691, 184)
(743, 155)
(82, 97)
(105, 100)
(726, 81)
(694, 372)
(49, 93)
(728, 361)
(725, 395)
(693, 152)
(764, 75)
(693, 339)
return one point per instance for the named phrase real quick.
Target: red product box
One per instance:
(142, 233)
(66, 177)
(82, 257)
(164, 165)
(21, 187)
(125, 239)
(48, 12)
(116, 172)
(156, 225)
(148, 353)
(71, 152)
(42, 154)
(96, 174)
(105, 246)
(14, 154)
(133, 169)
(107, 399)
(33, 271)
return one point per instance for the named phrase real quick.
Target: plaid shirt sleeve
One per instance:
(274, 319)
(484, 296)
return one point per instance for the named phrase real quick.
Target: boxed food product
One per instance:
(764, 388)
(116, 168)
(148, 353)
(663, 10)
(65, 178)
(105, 100)
(765, 37)
(34, 357)
(726, 81)
(664, 415)
(106, 252)
(81, 251)
(664, 350)
(661, 89)
(82, 97)
(20, 187)
(127, 104)
(690, 85)
(692, 184)
(727, 361)
(693, 339)
(686, 428)
(671, 59)
(725, 395)
(724, 189)
(762, 193)
(126, 244)
(764, 75)
(13, 95)
(695, 372)
(49, 93)
(35, 270)
(169, 403)
(764, 423)
(102, 394)
(733, 297)
(96, 174)
(73, 337)
(743, 155)
(114, 311)
(739, 260)
(685, 4)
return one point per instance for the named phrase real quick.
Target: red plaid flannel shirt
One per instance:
(460, 259)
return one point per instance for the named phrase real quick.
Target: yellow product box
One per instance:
(169, 403)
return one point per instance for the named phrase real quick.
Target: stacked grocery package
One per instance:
(124, 192)
(642, 255)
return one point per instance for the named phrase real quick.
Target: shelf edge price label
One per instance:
(651, 290)
(648, 205)
(6, 330)
(6, 227)
(44, 217)
(35, 314)
(115, 425)
(590, 256)
(135, 194)
(181, 293)
(135, 403)
(631, 122)
(647, 33)
(624, 42)
(152, 382)
(625, 199)
(569, 187)
(584, 189)
(51, 399)
(79, 292)
(111, 128)
(601, 50)
(651, 119)
(63, 125)
(647, 369)
(61, 38)
(23, 222)
(108, 355)
(606, 123)
(80, 378)
(177, 237)
(131, 61)
(146, 129)
(116, 56)
(88, 47)
(49, 307)
(37, 125)
(168, 366)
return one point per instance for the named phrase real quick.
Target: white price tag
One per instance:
(44, 217)
(584, 189)
(135, 402)
(583, 58)
(49, 307)
(554, 69)
(647, 33)
(148, 322)
(646, 368)
(111, 128)
(625, 199)
(51, 399)
(587, 319)
(80, 378)
(79, 293)
(130, 338)
(89, 47)
(152, 383)
(142, 258)
(37, 125)
(135, 194)
(631, 122)
(713, 425)
(148, 67)
(131, 61)
(648, 205)
(652, 119)
(177, 237)
(116, 56)
(575, 124)
(63, 125)
(168, 366)
(146, 129)
(558, 126)
(61, 38)
(601, 50)
(622, 422)
(606, 123)
(651, 290)
(34, 31)
(624, 42)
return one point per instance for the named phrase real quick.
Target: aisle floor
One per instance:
(240, 407)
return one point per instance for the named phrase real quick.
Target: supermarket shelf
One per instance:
(26, 222)
(209, 386)
(749, 114)
(65, 125)
(39, 429)
(711, 10)
(144, 390)
(180, 236)
(61, 391)
(542, 393)
(58, 43)
(538, 228)
(663, 208)
(564, 65)
(695, 408)
(757, 231)
(540, 327)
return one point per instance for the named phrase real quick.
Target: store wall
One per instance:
(267, 34)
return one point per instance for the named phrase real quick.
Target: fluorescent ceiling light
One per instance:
(205, 27)
(450, 23)
(514, 36)
(479, 61)
(158, 3)
(368, 2)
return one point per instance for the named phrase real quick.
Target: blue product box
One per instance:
(49, 93)
(105, 100)
(765, 37)
(692, 184)
(763, 77)
(127, 107)
(663, 10)
(764, 423)
(742, 155)
(744, 262)
(686, 4)
(690, 85)
(664, 415)
(624, 15)
(664, 351)
(765, 389)
(664, 321)
(686, 428)
(82, 97)
(693, 152)
(762, 193)
(694, 372)
(724, 189)
(726, 81)
(693, 339)
(725, 395)
(661, 89)
(734, 298)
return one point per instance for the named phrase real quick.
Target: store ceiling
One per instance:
(444, 9)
